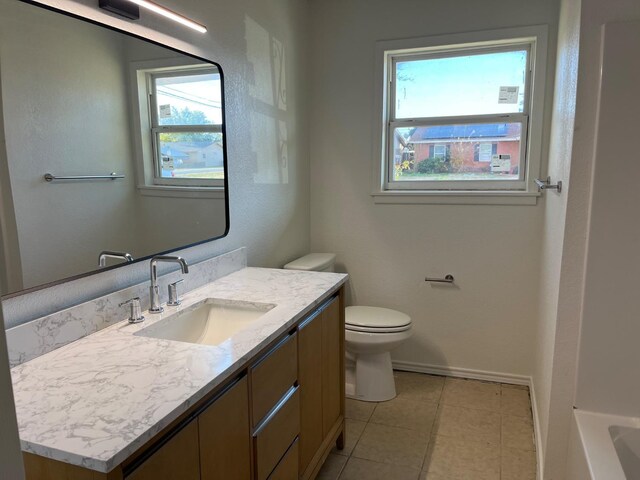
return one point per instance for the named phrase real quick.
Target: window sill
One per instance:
(417, 197)
(181, 192)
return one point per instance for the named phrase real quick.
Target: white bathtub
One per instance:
(604, 447)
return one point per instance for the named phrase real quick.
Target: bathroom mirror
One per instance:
(108, 143)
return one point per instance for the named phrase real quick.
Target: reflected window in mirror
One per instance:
(186, 127)
(181, 125)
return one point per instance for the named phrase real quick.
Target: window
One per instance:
(181, 144)
(439, 151)
(186, 123)
(464, 112)
(485, 152)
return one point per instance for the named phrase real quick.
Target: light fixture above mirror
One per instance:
(129, 9)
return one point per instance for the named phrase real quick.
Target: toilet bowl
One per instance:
(370, 335)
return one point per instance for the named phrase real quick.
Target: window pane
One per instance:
(467, 85)
(191, 155)
(457, 152)
(485, 152)
(189, 99)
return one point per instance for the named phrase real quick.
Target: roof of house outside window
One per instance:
(449, 132)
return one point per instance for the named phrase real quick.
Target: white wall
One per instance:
(267, 134)
(555, 207)
(609, 353)
(487, 321)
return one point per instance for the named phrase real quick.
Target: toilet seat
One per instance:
(378, 330)
(376, 320)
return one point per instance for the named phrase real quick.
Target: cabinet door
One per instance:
(177, 458)
(310, 380)
(332, 365)
(225, 438)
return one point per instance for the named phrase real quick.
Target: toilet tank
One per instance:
(314, 262)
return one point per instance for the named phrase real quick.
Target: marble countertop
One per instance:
(97, 400)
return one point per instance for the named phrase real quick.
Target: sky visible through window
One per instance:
(198, 93)
(461, 85)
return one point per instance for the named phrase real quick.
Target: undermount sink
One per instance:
(209, 322)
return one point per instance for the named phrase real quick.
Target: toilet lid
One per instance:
(374, 318)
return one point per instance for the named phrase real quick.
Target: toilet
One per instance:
(370, 335)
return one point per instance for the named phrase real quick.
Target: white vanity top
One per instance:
(97, 400)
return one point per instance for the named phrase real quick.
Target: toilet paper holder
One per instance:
(447, 279)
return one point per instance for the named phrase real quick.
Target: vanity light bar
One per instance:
(124, 8)
(171, 15)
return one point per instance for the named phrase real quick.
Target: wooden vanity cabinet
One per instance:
(332, 366)
(275, 436)
(275, 405)
(321, 378)
(276, 420)
(177, 458)
(310, 379)
(224, 439)
(214, 445)
(287, 469)
(272, 376)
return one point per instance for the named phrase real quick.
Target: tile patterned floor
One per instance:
(438, 428)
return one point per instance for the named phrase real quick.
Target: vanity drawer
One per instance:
(288, 466)
(274, 436)
(272, 376)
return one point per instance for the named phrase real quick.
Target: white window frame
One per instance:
(442, 153)
(521, 191)
(147, 129)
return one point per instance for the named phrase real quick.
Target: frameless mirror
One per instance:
(112, 148)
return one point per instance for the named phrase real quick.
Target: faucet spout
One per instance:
(102, 258)
(154, 292)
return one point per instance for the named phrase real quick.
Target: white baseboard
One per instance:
(487, 377)
(463, 373)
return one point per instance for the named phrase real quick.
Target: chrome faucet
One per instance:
(154, 290)
(102, 258)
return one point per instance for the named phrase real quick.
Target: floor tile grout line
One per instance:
(344, 465)
(432, 434)
(357, 441)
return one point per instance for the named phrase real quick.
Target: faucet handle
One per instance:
(174, 300)
(135, 315)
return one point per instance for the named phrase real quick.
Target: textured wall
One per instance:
(553, 246)
(487, 321)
